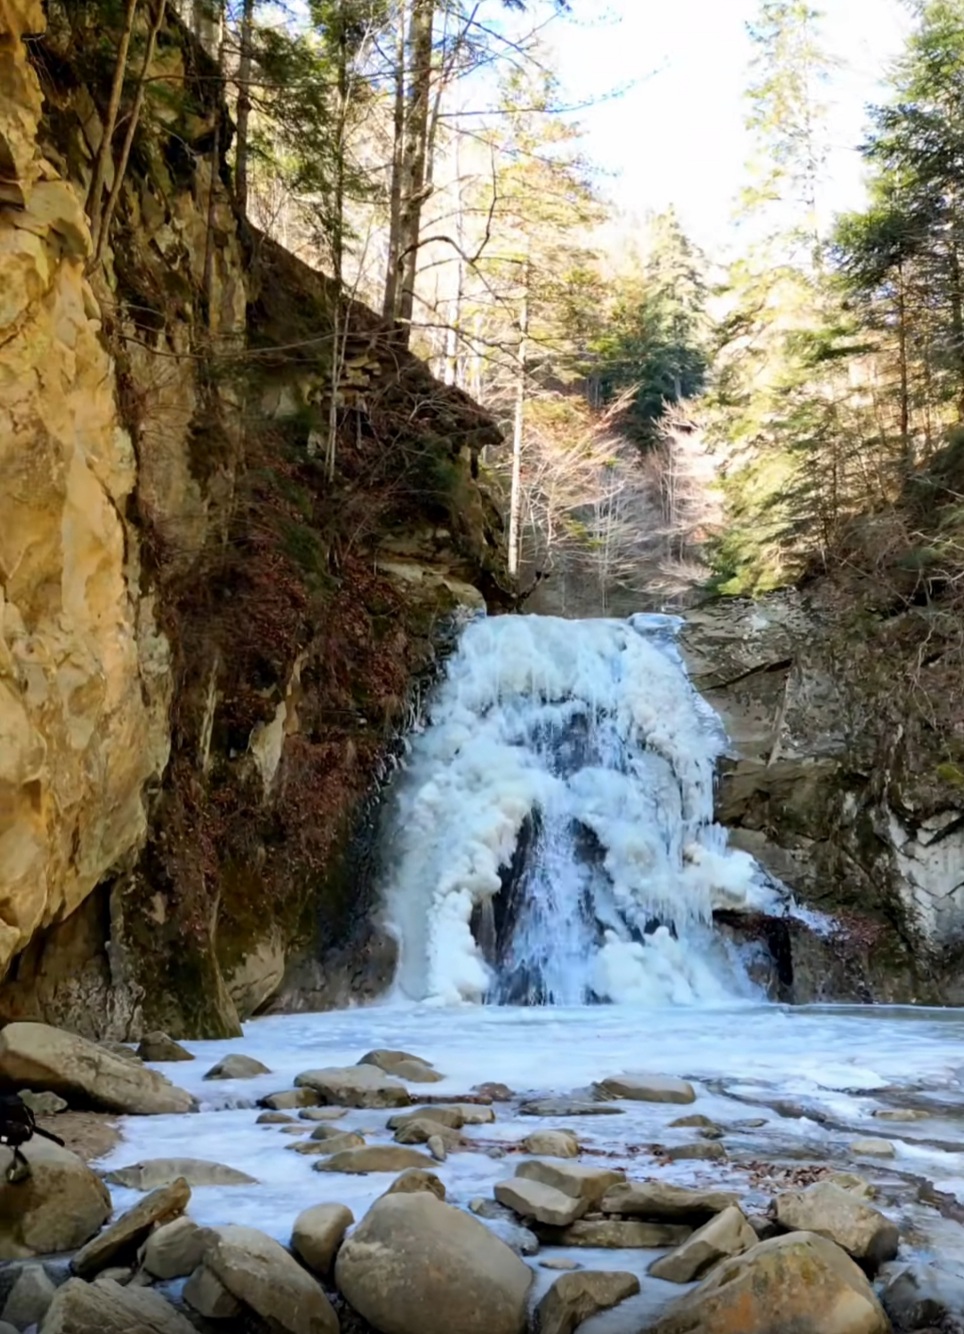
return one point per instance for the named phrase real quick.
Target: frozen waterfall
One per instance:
(551, 839)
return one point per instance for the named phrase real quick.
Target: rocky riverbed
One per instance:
(410, 1171)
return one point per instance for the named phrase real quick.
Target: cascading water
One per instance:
(551, 837)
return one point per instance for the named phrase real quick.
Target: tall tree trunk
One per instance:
(415, 157)
(244, 105)
(135, 115)
(518, 431)
(95, 195)
(907, 449)
(390, 301)
(339, 335)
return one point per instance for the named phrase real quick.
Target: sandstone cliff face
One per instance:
(840, 791)
(205, 651)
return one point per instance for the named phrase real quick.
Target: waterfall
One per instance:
(550, 839)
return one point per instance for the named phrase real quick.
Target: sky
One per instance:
(675, 135)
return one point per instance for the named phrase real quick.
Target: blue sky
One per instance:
(676, 136)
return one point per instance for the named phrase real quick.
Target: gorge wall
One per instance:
(206, 649)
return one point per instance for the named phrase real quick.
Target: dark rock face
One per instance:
(849, 807)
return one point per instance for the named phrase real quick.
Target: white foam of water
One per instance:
(595, 725)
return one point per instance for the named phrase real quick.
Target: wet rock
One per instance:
(274, 1119)
(800, 1282)
(483, 1207)
(545, 1204)
(855, 1184)
(329, 1144)
(421, 1130)
(437, 1147)
(43, 1104)
(568, 1107)
(386, 1058)
(261, 1274)
(108, 1308)
(355, 1086)
(317, 1234)
(402, 1065)
(497, 1092)
(295, 1130)
(660, 1200)
(322, 1113)
(764, 1227)
(900, 1114)
(46, 1058)
(237, 1066)
(209, 1297)
(920, 1296)
(646, 1088)
(415, 1179)
(174, 1250)
(373, 1158)
(618, 1234)
(873, 1148)
(120, 1049)
(154, 1172)
(695, 1121)
(289, 1100)
(158, 1046)
(552, 1144)
(124, 1236)
(750, 1123)
(451, 1117)
(574, 1298)
(515, 1235)
(839, 1215)
(417, 1266)
(708, 1151)
(61, 1205)
(563, 1262)
(327, 1130)
(729, 1233)
(474, 1114)
(581, 1181)
(29, 1298)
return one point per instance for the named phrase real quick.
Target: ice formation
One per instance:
(551, 838)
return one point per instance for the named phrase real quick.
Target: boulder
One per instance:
(414, 1179)
(920, 1296)
(473, 1113)
(43, 1104)
(326, 1130)
(154, 1172)
(29, 1298)
(450, 1117)
(729, 1233)
(694, 1121)
(174, 1250)
(403, 1065)
(573, 1298)
(579, 1180)
(873, 1148)
(121, 1240)
(900, 1114)
(494, 1090)
(58, 1207)
(373, 1158)
(107, 1308)
(552, 1143)
(861, 1230)
(568, 1107)
(704, 1152)
(544, 1204)
(355, 1086)
(237, 1066)
(421, 1130)
(290, 1099)
(317, 1234)
(261, 1274)
(562, 1263)
(417, 1266)
(437, 1147)
(209, 1297)
(329, 1144)
(854, 1184)
(660, 1200)
(120, 1049)
(274, 1119)
(159, 1047)
(83, 1072)
(322, 1113)
(801, 1283)
(645, 1088)
(618, 1234)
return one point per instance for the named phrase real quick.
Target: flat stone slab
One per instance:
(580, 1180)
(568, 1107)
(574, 1298)
(727, 1234)
(374, 1158)
(154, 1172)
(617, 1234)
(355, 1086)
(533, 1199)
(659, 1200)
(124, 1236)
(646, 1088)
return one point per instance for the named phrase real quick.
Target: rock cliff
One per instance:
(206, 649)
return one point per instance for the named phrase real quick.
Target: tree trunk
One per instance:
(135, 115)
(415, 157)
(244, 105)
(518, 427)
(390, 301)
(907, 449)
(339, 336)
(957, 324)
(95, 200)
